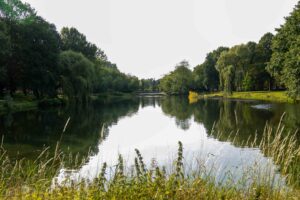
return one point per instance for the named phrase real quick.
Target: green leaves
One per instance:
(206, 76)
(77, 75)
(5, 52)
(29, 51)
(291, 70)
(16, 10)
(73, 40)
(284, 64)
(178, 81)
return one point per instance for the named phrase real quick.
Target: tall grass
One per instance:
(277, 96)
(284, 149)
(34, 179)
(282, 146)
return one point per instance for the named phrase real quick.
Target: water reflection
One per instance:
(27, 133)
(150, 131)
(231, 116)
(153, 125)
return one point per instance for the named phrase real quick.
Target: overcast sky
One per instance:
(147, 38)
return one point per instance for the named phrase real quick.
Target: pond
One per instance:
(213, 133)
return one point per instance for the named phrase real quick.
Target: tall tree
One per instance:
(261, 77)
(76, 75)
(199, 77)
(239, 59)
(206, 75)
(283, 64)
(31, 58)
(5, 51)
(291, 70)
(179, 81)
(16, 10)
(32, 61)
(73, 40)
(226, 60)
(12, 14)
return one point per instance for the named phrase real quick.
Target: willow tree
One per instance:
(226, 60)
(241, 59)
(206, 76)
(77, 74)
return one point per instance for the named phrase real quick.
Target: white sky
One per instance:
(147, 38)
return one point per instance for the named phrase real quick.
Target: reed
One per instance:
(33, 179)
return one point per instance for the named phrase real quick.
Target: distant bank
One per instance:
(278, 96)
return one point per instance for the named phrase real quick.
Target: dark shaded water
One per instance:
(154, 125)
(26, 133)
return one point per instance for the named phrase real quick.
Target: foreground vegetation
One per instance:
(34, 179)
(276, 96)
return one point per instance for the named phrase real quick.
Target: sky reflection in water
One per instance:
(156, 136)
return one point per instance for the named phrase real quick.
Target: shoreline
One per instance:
(271, 96)
(22, 103)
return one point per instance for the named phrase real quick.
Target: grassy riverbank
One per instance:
(21, 103)
(278, 96)
(17, 106)
(18, 103)
(33, 179)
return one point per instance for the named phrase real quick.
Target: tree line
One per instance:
(35, 58)
(271, 64)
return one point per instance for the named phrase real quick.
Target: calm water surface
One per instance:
(154, 126)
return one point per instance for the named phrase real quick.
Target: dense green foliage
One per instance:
(31, 53)
(284, 64)
(111, 79)
(240, 68)
(36, 59)
(206, 76)
(76, 74)
(270, 64)
(16, 10)
(149, 85)
(29, 60)
(178, 81)
(76, 41)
